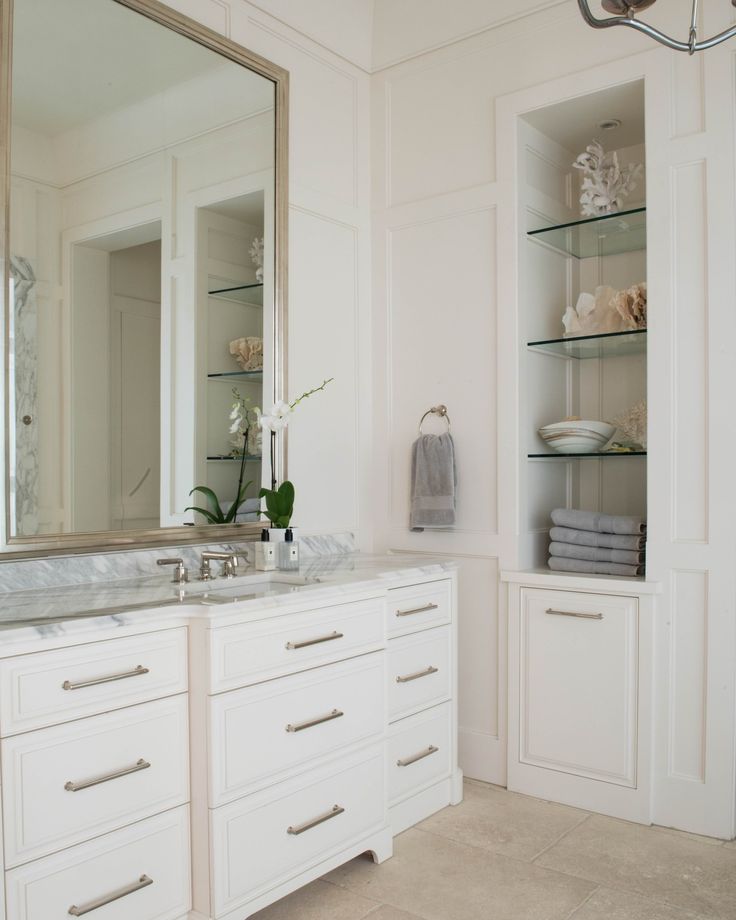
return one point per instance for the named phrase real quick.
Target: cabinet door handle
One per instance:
(425, 673)
(136, 672)
(305, 642)
(308, 825)
(143, 882)
(310, 723)
(85, 784)
(407, 761)
(412, 610)
(572, 613)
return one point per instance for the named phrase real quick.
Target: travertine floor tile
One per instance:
(439, 879)
(606, 904)
(391, 913)
(318, 901)
(676, 870)
(503, 822)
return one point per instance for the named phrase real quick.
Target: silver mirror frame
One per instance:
(109, 541)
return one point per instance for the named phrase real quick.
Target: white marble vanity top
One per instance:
(69, 609)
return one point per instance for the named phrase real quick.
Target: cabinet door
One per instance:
(578, 672)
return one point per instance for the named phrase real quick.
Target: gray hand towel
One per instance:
(595, 554)
(433, 481)
(591, 538)
(560, 564)
(601, 523)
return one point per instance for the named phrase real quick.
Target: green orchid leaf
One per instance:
(235, 507)
(213, 499)
(205, 514)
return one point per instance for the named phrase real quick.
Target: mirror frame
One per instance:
(109, 541)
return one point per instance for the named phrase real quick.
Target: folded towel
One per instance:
(601, 523)
(591, 538)
(595, 554)
(433, 481)
(560, 564)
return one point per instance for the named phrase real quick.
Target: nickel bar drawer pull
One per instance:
(85, 784)
(425, 609)
(425, 673)
(306, 642)
(408, 761)
(143, 882)
(308, 825)
(136, 672)
(310, 723)
(572, 613)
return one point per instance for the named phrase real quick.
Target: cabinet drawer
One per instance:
(261, 734)
(578, 672)
(247, 654)
(418, 607)
(156, 849)
(418, 671)
(47, 688)
(267, 838)
(418, 752)
(65, 784)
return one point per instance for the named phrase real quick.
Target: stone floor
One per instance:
(502, 856)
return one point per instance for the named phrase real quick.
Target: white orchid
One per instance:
(278, 418)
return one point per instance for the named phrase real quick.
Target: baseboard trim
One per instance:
(482, 757)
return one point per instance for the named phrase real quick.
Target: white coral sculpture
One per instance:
(633, 424)
(256, 256)
(605, 183)
(248, 352)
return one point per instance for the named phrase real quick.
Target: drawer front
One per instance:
(261, 734)
(418, 671)
(419, 752)
(148, 864)
(578, 667)
(66, 784)
(47, 688)
(418, 607)
(253, 652)
(263, 840)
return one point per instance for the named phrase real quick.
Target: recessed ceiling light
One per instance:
(609, 124)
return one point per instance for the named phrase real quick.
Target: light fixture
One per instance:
(624, 14)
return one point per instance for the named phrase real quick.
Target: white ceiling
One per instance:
(574, 124)
(61, 79)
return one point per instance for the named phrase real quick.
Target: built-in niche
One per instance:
(599, 376)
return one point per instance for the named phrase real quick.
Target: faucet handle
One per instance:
(181, 575)
(229, 561)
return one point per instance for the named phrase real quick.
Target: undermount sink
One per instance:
(246, 588)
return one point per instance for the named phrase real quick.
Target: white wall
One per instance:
(445, 331)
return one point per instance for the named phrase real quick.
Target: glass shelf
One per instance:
(235, 375)
(601, 455)
(227, 458)
(241, 293)
(611, 345)
(608, 235)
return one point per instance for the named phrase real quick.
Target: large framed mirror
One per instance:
(144, 255)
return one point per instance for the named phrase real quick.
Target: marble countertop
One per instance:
(65, 610)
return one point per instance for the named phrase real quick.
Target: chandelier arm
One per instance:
(650, 31)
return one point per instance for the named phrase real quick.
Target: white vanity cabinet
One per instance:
(203, 769)
(580, 692)
(94, 746)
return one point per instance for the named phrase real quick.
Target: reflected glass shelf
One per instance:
(608, 235)
(601, 455)
(240, 293)
(228, 458)
(594, 346)
(255, 376)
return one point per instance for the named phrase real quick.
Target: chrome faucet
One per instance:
(229, 564)
(181, 575)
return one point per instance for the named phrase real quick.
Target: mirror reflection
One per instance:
(141, 288)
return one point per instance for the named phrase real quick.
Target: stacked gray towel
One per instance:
(597, 544)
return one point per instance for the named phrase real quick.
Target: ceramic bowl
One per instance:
(581, 436)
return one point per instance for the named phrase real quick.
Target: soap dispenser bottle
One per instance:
(288, 552)
(264, 553)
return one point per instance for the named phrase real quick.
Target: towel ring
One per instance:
(440, 411)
